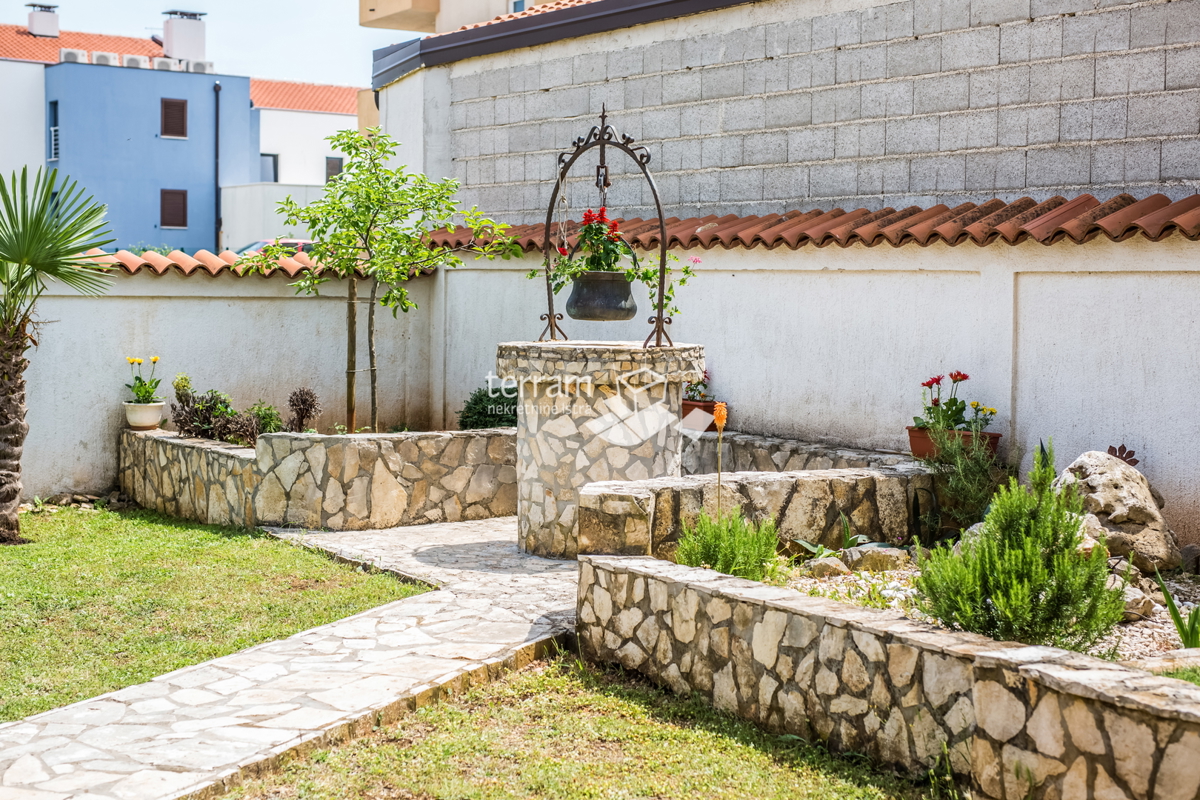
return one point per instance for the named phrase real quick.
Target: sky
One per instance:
(317, 41)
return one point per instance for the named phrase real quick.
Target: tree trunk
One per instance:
(371, 358)
(351, 349)
(13, 429)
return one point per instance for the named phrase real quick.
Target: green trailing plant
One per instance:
(143, 389)
(968, 472)
(488, 408)
(1023, 578)
(733, 545)
(47, 225)
(375, 221)
(1189, 629)
(268, 417)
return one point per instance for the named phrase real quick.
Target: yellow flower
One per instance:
(129, 359)
(153, 359)
(974, 404)
(990, 410)
(137, 361)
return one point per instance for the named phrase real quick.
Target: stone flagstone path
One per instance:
(199, 730)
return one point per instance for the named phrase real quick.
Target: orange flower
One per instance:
(720, 415)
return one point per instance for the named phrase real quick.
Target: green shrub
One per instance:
(269, 418)
(1023, 578)
(488, 408)
(968, 473)
(732, 545)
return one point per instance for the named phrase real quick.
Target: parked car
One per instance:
(294, 245)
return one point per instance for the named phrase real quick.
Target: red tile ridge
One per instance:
(790, 232)
(1188, 223)
(753, 226)
(1013, 230)
(1083, 227)
(1043, 227)
(129, 261)
(875, 232)
(954, 230)
(158, 262)
(921, 230)
(210, 262)
(984, 231)
(809, 229)
(186, 264)
(1159, 224)
(1121, 225)
(843, 234)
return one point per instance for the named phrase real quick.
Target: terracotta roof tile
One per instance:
(542, 8)
(17, 42)
(304, 96)
(203, 262)
(1056, 219)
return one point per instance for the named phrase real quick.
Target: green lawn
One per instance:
(557, 730)
(101, 600)
(1189, 674)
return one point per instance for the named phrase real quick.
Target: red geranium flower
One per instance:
(937, 401)
(562, 251)
(959, 377)
(936, 380)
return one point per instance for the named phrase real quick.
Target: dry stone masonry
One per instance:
(1018, 722)
(587, 412)
(746, 452)
(350, 482)
(647, 517)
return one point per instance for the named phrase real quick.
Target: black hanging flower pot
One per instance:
(601, 296)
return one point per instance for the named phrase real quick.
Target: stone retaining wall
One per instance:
(646, 517)
(1017, 722)
(744, 452)
(350, 482)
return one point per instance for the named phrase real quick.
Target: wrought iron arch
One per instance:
(604, 137)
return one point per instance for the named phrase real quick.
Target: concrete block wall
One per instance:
(774, 106)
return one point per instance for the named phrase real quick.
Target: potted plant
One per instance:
(697, 398)
(145, 411)
(949, 413)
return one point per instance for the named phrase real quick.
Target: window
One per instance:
(172, 208)
(268, 167)
(333, 168)
(517, 6)
(174, 118)
(52, 118)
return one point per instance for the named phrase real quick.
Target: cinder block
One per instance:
(899, 96)
(927, 16)
(494, 82)
(1045, 38)
(608, 95)
(873, 24)
(1012, 127)
(1132, 73)
(836, 30)
(846, 103)
(1046, 8)
(1164, 115)
(900, 21)
(1183, 22)
(847, 66)
(896, 175)
(1108, 164)
(1148, 26)
(870, 178)
(742, 185)
(464, 88)
(980, 172)
(1183, 68)
(942, 93)
(824, 68)
(953, 133)
(1014, 43)
(623, 63)
(765, 148)
(776, 43)
(745, 114)
(799, 70)
(997, 12)
(570, 102)
(645, 92)
(872, 62)
(1143, 161)
(656, 58)
(1110, 119)
(692, 52)
(810, 144)
(1075, 122)
(1092, 33)
(711, 51)
(721, 151)
(833, 180)
(788, 110)
(800, 36)
(982, 128)
(916, 57)
(971, 49)
(984, 88)
(785, 182)
(681, 87)
(845, 143)
(770, 74)
(938, 174)
(1043, 124)
(915, 135)
(721, 82)
(661, 123)
(824, 109)
(872, 139)
(1058, 167)
(1012, 85)
(699, 119)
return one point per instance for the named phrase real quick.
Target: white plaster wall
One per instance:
(250, 337)
(249, 212)
(298, 137)
(415, 111)
(23, 123)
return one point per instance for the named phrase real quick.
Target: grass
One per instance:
(101, 600)
(1189, 674)
(561, 730)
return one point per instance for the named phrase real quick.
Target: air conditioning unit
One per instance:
(169, 65)
(205, 67)
(106, 59)
(136, 62)
(69, 56)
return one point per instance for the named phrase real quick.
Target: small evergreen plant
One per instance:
(1023, 577)
(969, 472)
(732, 545)
(488, 408)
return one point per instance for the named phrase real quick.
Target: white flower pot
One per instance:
(144, 416)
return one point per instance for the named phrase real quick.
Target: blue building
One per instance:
(149, 138)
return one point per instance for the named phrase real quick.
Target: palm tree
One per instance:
(45, 229)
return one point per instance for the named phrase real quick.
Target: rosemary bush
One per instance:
(488, 408)
(1023, 578)
(969, 474)
(732, 545)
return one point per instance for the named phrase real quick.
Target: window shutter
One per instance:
(173, 208)
(333, 168)
(174, 118)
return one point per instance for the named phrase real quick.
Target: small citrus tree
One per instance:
(45, 229)
(374, 222)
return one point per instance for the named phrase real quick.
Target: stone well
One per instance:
(590, 411)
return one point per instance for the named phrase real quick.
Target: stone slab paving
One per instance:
(197, 731)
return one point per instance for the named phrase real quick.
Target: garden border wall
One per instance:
(1018, 721)
(348, 482)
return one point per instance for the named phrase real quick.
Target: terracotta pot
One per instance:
(601, 296)
(144, 416)
(707, 406)
(922, 446)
